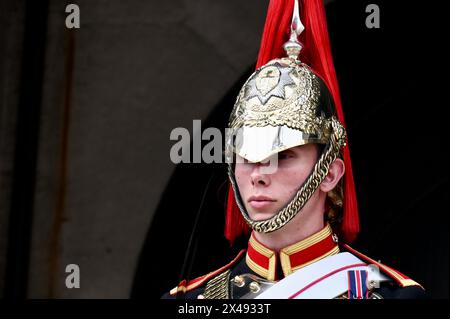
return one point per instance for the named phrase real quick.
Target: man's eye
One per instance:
(284, 155)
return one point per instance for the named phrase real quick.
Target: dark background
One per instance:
(85, 118)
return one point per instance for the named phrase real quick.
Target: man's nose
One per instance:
(257, 177)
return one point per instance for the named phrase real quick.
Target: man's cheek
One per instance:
(239, 181)
(289, 192)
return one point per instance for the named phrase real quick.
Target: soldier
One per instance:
(291, 178)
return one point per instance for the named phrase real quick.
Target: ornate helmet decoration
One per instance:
(287, 103)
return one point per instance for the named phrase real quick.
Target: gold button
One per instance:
(254, 287)
(239, 281)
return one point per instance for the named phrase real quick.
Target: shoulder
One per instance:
(193, 288)
(399, 286)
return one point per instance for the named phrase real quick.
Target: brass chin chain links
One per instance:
(332, 151)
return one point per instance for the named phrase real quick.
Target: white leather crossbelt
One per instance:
(324, 279)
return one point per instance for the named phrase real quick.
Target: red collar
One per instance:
(263, 260)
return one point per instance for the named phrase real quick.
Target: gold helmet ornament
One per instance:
(284, 104)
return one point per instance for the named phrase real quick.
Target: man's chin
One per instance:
(259, 216)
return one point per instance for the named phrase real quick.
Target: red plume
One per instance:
(317, 54)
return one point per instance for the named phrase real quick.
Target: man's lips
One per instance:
(260, 201)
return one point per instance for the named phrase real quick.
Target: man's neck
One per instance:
(302, 226)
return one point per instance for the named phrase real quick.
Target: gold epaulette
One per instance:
(186, 286)
(401, 279)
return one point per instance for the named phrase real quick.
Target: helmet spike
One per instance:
(293, 46)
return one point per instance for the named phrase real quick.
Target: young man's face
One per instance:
(266, 194)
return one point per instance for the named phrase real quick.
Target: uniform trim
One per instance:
(308, 242)
(218, 287)
(308, 251)
(332, 252)
(184, 287)
(401, 279)
(263, 260)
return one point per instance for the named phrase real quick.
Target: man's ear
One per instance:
(335, 173)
